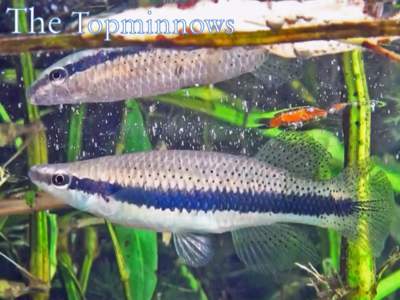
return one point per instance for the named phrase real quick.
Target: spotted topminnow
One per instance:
(193, 193)
(106, 75)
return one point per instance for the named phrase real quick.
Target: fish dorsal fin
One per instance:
(196, 250)
(276, 71)
(297, 153)
(273, 248)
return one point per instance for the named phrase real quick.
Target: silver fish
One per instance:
(106, 75)
(195, 193)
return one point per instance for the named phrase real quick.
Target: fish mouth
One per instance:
(33, 174)
(30, 95)
(36, 176)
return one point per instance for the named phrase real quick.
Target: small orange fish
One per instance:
(298, 115)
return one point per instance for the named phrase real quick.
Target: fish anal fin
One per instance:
(273, 248)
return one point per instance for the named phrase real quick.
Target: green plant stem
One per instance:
(91, 250)
(37, 154)
(192, 281)
(122, 266)
(359, 260)
(75, 132)
(388, 285)
(334, 248)
(72, 287)
(53, 239)
(70, 282)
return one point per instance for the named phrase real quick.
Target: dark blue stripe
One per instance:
(311, 205)
(101, 57)
(108, 55)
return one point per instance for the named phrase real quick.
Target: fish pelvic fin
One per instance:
(372, 206)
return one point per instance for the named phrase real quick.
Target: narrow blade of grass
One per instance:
(53, 237)
(75, 132)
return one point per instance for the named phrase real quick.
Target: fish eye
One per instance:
(58, 75)
(60, 180)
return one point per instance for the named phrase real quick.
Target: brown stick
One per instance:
(381, 51)
(333, 31)
(18, 206)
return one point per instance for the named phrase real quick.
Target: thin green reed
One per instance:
(37, 154)
(75, 132)
(359, 260)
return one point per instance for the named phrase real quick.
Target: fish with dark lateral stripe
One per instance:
(107, 75)
(195, 193)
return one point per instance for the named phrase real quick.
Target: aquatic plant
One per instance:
(37, 154)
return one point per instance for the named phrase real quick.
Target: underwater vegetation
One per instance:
(280, 180)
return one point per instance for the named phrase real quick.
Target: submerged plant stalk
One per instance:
(37, 154)
(359, 260)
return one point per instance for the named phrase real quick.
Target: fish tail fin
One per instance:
(371, 208)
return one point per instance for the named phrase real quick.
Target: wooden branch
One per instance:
(18, 206)
(333, 31)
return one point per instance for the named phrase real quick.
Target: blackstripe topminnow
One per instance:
(193, 193)
(106, 75)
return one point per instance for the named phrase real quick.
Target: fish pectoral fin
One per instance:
(196, 250)
(273, 248)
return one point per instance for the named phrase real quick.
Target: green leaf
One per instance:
(139, 248)
(71, 283)
(388, 285)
